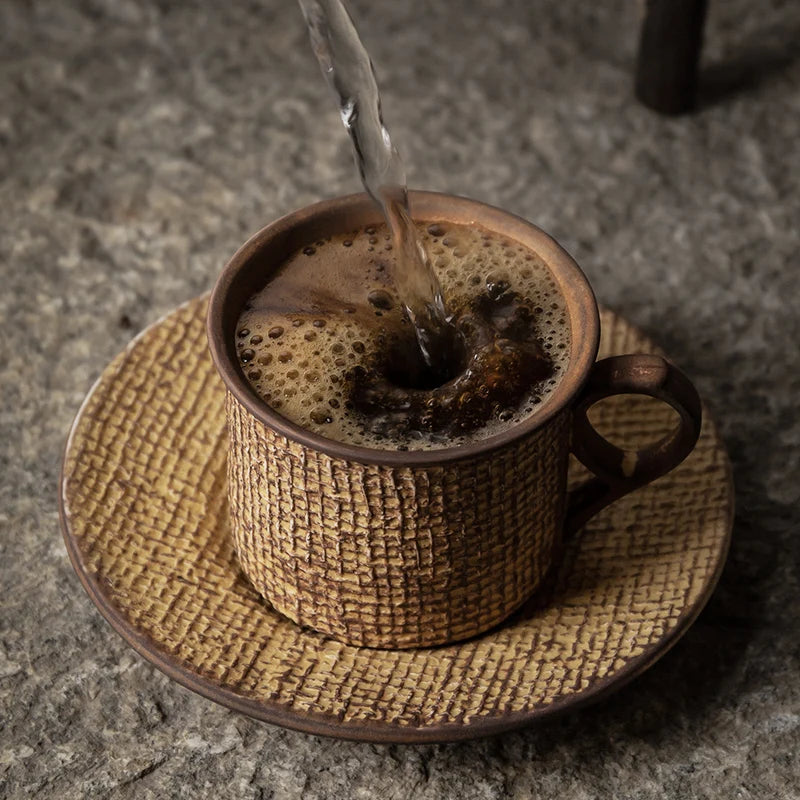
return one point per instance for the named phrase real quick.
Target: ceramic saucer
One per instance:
(144, 514)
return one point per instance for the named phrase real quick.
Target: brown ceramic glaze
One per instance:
(396, 549)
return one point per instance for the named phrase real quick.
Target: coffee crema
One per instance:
(325, 343)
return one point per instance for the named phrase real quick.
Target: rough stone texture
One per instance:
(140, 142)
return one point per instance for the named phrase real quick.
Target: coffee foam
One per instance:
(329, 307)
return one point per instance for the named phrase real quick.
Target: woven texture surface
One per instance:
(394, 556)
(147, 516)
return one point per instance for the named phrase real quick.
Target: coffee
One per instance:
(327, 345)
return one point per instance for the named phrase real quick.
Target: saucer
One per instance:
(145, 518)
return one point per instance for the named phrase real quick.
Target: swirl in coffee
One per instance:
(326, 342)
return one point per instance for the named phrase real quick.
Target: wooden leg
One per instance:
(669, 54)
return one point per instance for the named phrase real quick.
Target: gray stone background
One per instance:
(142, 140)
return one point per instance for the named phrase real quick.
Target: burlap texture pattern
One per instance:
(383, 556)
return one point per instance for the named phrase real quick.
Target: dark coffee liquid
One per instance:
(497, 362)
(326, 343)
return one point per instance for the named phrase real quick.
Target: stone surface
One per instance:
(141, 142)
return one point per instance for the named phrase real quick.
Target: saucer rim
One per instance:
(321, 724)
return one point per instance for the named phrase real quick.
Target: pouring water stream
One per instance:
(348, 70)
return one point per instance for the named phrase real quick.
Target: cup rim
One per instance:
(338, 214)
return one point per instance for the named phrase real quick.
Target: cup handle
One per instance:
(617, 471)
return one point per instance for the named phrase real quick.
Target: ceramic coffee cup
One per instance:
(386, 548)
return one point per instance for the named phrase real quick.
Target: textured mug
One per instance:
(386, 548)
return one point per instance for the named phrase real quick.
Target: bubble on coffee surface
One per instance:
(325, 342)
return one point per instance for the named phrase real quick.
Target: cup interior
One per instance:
(249, 269)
